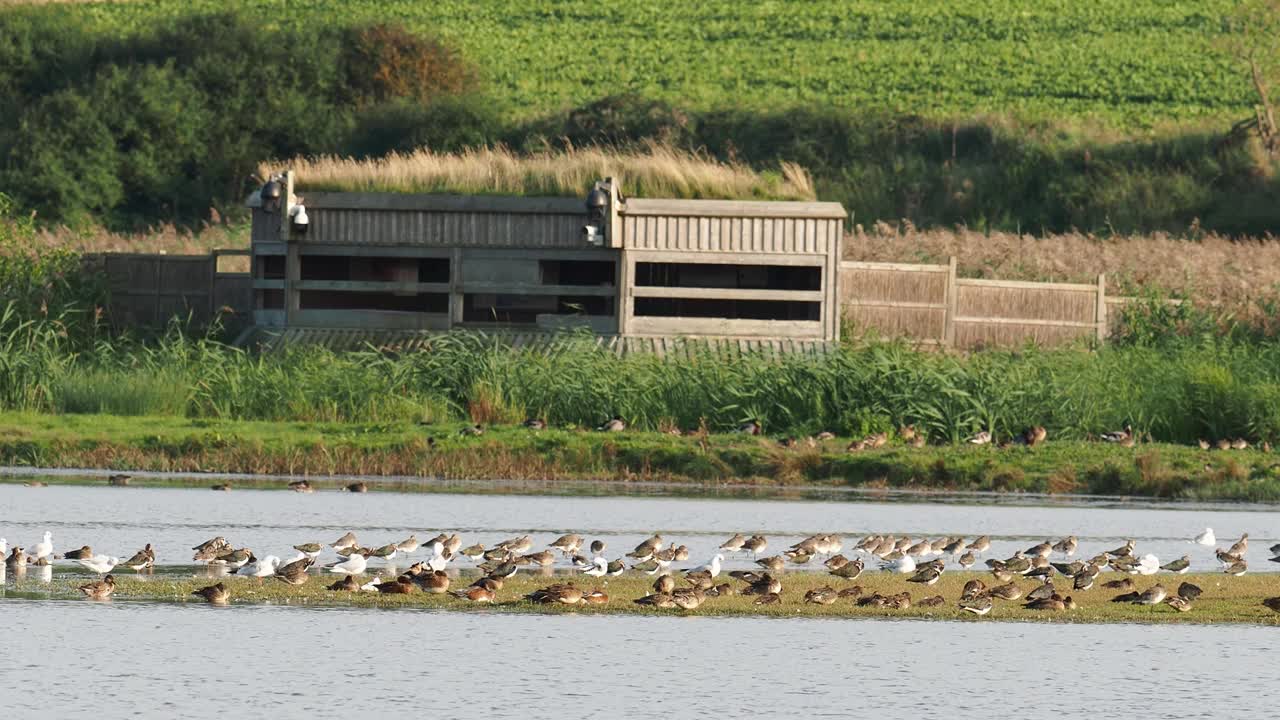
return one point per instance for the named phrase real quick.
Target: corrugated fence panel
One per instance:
(425, 228)
(906, 322)
(885, 285)
(976, 335)
(1050, 302)
(812, 236)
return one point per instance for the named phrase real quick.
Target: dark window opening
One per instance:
(525, 309)
(729, 309)
(335, 300)
(272, 299)
(271, 267)
(576, 272)
(375, 269)
(741, 277)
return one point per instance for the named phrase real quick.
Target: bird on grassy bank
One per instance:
(295, 573)
(214, 594)
(927, 576)
(1153, 595)
(849, 570)
(1007, 591)
(1237, 568)
(1122, 437)
(347, 584)
(710, 570)
(1044, 591)
(535, 424)
(750, 427)
(1179, 603)
(434, 582)
(475, 430)
(476, 594)
(1055, 603)
(402, 585)
(355, 564)
(144, 559)
(119, 479)
(825, 595)
(1189, 591)
(1180, 566)
(982, 438)
(99, 590)
(616, 424)
(978, 605)
(1272, 604)
(259, 569)
(1034, 435)
(558, 594)
(101, 564)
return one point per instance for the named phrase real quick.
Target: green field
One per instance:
(1127, 63)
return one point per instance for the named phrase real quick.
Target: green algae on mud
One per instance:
(1226, 599)
(439, 451)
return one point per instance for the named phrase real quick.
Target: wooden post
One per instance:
(949, 324)
(455, 287)
(292, 257)
(1101, 314)
(626, 281)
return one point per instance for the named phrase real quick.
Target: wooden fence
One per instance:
(930, 305)
(148, 290)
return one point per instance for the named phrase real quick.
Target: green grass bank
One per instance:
(698, 460)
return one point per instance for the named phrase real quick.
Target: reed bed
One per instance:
(1241, 275)
(1202, 388)
(652, 169)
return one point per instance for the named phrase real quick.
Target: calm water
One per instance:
(115, 660)
(131, 659)
(119, 521)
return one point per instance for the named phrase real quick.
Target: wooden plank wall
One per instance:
(146, 291)
(929, 304)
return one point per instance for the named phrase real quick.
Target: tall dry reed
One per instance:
(652, 170)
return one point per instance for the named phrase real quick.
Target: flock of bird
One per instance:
(923, 561)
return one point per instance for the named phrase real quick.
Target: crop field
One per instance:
(1128, 64)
